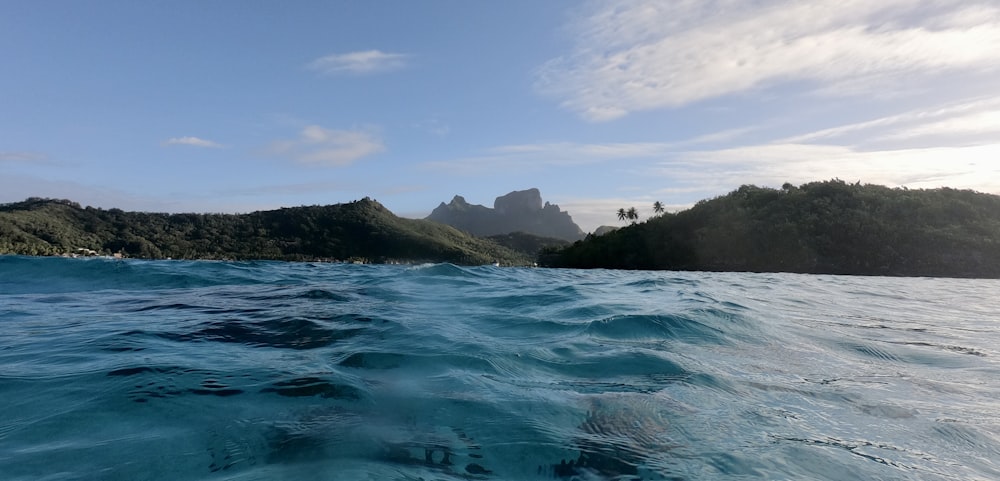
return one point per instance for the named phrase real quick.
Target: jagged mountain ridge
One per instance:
(517, 211)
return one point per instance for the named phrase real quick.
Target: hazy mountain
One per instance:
(518, 211)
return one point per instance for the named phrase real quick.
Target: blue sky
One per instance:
(235, 106)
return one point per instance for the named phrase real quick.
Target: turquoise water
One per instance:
(171, 370)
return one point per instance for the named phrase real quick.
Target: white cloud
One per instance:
(972, 167)
(192, 141)
(722, 136)
(969, 116)
(538, 155)
(364, 62)
(634, 55)
(569, 153)
(974, 124)
(319, 146)
(521, 157)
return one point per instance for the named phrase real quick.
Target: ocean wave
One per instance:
(269, 370)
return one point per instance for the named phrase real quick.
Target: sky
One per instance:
(237, 106)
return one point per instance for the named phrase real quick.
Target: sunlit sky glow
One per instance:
(233, 106)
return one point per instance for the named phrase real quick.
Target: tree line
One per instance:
(631, 214)
(820, 227)
(363, 230)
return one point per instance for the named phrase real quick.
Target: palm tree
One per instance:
(622, 215)
(658, 207)
(632, 214)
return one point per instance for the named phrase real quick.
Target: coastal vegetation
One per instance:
(829, 227)
(630, 214)
(360, 231)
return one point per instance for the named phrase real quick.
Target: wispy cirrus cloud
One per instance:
(24, 157)
(558, 154)
(434, 126)
(983, 124)
(539, 156)
(328, 147)
(716, 171)
(634, 55)
(193, 142)
(359, 63)
(968, 117)
(298, 188)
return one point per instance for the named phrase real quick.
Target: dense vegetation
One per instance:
(821, 227)
(361, 230)
(529, 244)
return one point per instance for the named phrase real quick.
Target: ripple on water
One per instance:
(288, 333)
(215, 370)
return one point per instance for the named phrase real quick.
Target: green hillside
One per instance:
(361, 230)
(529, 244)
(820, 227)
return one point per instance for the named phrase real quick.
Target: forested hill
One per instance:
(360, 230)
(822, 227)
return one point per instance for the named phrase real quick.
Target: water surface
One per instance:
(150, 370)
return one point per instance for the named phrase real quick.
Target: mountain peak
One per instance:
(529, 200)
(517, 211)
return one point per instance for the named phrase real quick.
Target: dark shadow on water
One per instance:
(161, 382)
(287, 333)
(374, 360)
(313, 386)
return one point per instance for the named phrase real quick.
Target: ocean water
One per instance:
(175, 370)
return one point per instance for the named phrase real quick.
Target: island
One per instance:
(362, 231)
(827, 227)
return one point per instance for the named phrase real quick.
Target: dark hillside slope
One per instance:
(362, 229)
(821, 227)
(527, 243)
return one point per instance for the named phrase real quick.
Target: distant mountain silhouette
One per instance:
(604, 229)
(518, 211)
